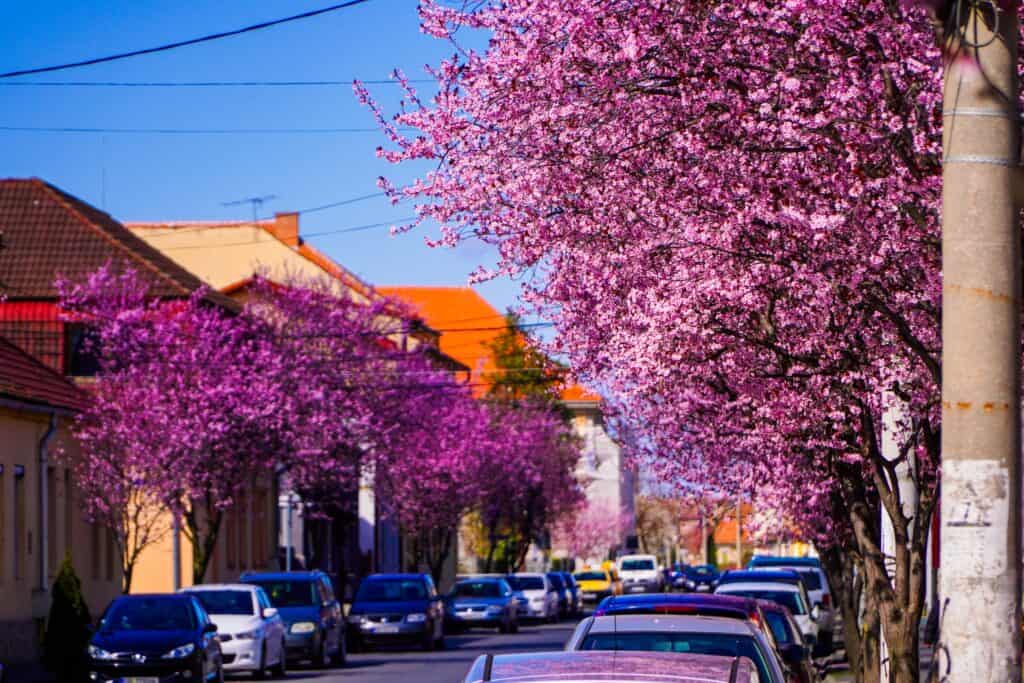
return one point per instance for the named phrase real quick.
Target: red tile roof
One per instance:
(25, 379)
(47, 232)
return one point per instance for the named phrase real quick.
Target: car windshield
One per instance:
(697, 643)
(290, 593)
(477, 589)
(591, 576)
(780, 627)
(704, 570)
(391, 590)
(556, 581)
(150, 614)
(637, 565)
(788, 599)
(226, 601)
(526, 583)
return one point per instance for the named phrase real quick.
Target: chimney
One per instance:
(286, 228)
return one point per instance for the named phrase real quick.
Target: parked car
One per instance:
(617, 667)
(789, 642)
(536, 596)
(483, 602)
(250, 631)
(778, 587)
(562, 592)
(398, 608)
(305, 601)
(155, 637)
(698, 604)
(809, 568)
(704, 577)
(576, 604)
(595, 585)
(680, 633)
(640, 574)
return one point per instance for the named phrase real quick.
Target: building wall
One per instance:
(247, 541)
(26, 597)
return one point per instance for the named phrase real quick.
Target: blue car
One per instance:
(397, 608)
(313, 620)
(483, 602)
(703, 577)
(166, 638)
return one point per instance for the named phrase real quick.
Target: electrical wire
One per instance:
(354, 228)
(188, 131)
(182, 43)
(202, 84)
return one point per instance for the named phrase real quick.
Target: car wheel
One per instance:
(342, 654)
(320, 660)
(280, 670)
(261, 666)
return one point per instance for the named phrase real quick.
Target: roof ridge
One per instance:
(64, 200)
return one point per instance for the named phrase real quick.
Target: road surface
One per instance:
(447, 666)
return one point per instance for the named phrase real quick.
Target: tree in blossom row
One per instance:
(731, 211)
(194, 402)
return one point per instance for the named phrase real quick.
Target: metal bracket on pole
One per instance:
(984, 113)
(979, 159)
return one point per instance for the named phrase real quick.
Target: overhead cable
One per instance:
(182, 43)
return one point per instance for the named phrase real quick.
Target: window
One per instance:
(478, 589)
(150, 613)
(788, 599)
(722, 644)
(637, 565)
(780, 627)
(391, 590)
(51, 520)
(328, 590)
(237, 602)
(262, 599)
(81, 357)
(290, 593)
(69, 518)
(22, 540)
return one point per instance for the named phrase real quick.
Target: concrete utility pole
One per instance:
(981, 290)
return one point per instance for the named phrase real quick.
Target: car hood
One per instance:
(290, 615)
(394, 607)
(235, 623)
(475, 602)
(532, 593)
(142, 641)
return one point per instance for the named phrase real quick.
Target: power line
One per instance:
(343, 202)
(187, 131)
(354, 228)
(182, 43)
(202, 84)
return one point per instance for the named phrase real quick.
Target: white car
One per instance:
(250, 631)
(830, 623)
(790, 595)
(536, 595)
(640, 574)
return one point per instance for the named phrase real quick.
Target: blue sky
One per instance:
(179, 177)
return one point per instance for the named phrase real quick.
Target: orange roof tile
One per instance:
(579, 394)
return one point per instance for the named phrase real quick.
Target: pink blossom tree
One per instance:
(591, 531)
(733, 208)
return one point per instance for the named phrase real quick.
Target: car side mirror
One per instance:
(269, 612)
(210, 628)
(816, 612)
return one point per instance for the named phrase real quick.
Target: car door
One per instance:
(333, 614)
(211, 646)
(273, 626)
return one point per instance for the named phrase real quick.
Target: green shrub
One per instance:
(67, 632)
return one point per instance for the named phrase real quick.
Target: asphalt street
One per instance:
(449, 665)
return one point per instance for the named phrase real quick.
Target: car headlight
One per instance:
(691, 585)
(181, 651)
(100, 653)
(416, 618)
(303, 627)
(248, 635)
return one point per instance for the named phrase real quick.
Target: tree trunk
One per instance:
(846, 582)
(202, 528)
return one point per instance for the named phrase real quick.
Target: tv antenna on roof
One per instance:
(256, 202)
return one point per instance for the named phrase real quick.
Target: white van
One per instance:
(640, 574)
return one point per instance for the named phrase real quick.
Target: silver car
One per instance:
(680, 633)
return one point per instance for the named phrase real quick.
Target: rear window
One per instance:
(780, 627)
(697, 643)
(526, 583)
(591, 576)
(812, 579)
(788, 599)
(637, 565)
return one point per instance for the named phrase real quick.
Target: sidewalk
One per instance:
(27, 672)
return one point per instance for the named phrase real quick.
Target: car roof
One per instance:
(394, 576)
(529, 574)
(668, 623)
(761, 575)
(219, 587)
(283, 576)
(480, 579)
(150, 596)
(695, 599)
(773, 561)
(654, 667)
(759, 586)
